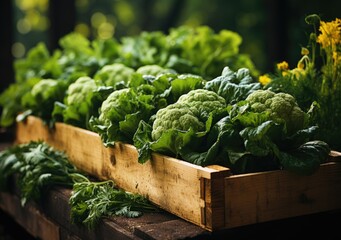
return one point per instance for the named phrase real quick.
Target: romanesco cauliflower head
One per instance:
(114, 74)
(78, 92)
(45, 89)
(42, 97)
(190, 111)
(116, 106)
(153, 70)
(202, 102)
(281, 106)
(175, 116)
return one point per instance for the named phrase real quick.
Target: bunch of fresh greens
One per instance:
(90, 201)
(38, 167)
(196, 50)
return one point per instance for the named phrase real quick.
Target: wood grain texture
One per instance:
(35, 222)
(262, 197)
(172, 184)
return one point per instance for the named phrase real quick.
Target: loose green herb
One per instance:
(40, 167)
(90, 201)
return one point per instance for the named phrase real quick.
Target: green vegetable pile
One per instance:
(37, 167)
(189, 94)
(183, 50)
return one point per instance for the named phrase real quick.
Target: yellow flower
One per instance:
(330, 33)
(304, 51)
(283, 66)
(298, 72)
(285, 73)
(264, 79)
(300, 65)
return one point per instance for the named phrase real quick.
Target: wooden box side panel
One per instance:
(254, 198)
(172, 184)
(214, 212)
(79, 144)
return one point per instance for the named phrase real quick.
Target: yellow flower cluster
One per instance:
(312, 83)
(330, 33)
(283, 66)
(264, 79)
(330, 41)
(329, 38)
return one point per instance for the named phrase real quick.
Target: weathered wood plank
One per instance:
(54, 211)
(172, 184)
(171, 230)
(261, 197)
(35, 222)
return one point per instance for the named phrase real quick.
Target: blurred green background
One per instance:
(272, 30)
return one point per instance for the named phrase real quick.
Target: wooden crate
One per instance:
(210, 197)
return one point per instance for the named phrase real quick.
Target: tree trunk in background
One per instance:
(276, 32)
(62, 15)
(6, 58)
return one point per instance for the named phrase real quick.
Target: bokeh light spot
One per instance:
(18, 50)
(106, 30)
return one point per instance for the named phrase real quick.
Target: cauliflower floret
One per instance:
(44, 89)
(190, 111)
(202, 101)
(175, 116)
(281, 107)
(78, 90)
(43, 95)
(112, 110)
(153, 70)
(114, 74)
(48, 90)
(259, 96)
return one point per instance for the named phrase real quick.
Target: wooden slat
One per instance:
(54, 210)
(261, 197)
(171, 230)
(172, 184)
(35, 222)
